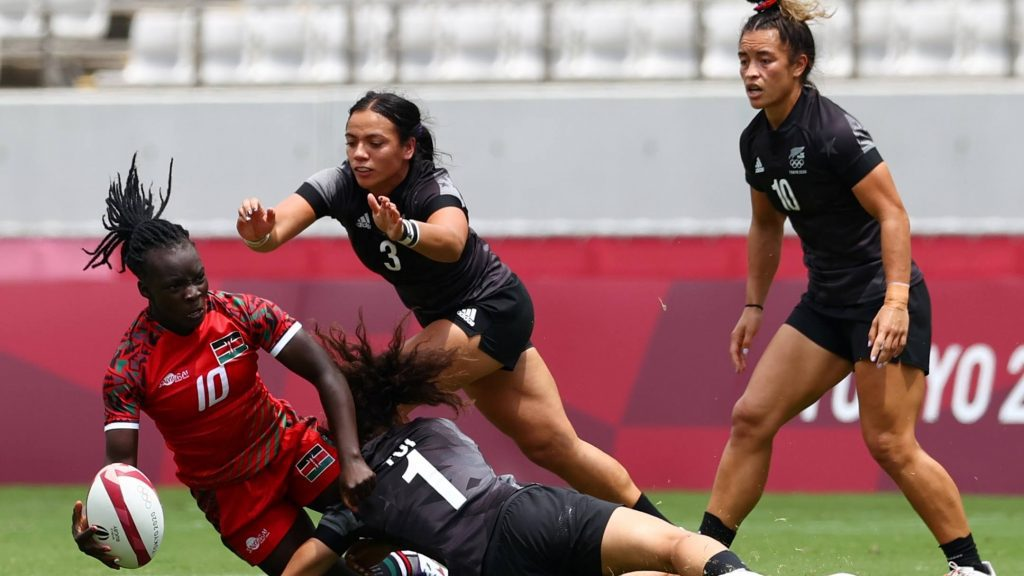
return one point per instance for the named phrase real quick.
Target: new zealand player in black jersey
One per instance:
(866, 308)
(436, 493)
(407, 222)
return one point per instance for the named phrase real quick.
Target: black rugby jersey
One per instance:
(435, 493)
(427, 287)
(808, 168)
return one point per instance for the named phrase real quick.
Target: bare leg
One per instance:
(524, 404)
(791, 375)
(890, 400)
(635, 541)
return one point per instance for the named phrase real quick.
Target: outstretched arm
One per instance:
(304, 356)
(264, 229)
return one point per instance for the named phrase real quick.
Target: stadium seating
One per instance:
(223, 54)
(982, 31)
(276, 39)
(925, 36)
(327, 52)
(524, 48)
(161, 48)
(667, 41)
(877, 37)
(592, 40)
(21, 19)
(722, 20)
(419, 41)
(373, 53)
(340, 41)
(79, 18)
(833, 37)
(1019, 38)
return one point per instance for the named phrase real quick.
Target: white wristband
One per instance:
(257, 243)
(410, 233)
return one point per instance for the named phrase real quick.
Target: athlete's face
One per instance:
(771, 80)
(175, 285)
(379, 160)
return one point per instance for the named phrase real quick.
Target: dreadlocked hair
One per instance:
(789, 18)
(380, 383)
(133, 223)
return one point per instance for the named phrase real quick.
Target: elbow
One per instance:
(450, 252)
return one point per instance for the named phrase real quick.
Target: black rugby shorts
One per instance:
(843, 330)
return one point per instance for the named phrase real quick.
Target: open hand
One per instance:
(83, 534)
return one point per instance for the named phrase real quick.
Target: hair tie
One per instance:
(766, 5)
(418, 130)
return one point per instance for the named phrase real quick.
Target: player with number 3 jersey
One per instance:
(407, 221)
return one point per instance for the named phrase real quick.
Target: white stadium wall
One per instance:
(559, 159)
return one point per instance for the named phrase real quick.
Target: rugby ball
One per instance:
(124, 507)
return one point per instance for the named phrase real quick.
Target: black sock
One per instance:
(647, 507)
(723, 563)
(963, 552)
(712, 526)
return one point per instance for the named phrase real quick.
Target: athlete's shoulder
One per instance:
(831, 119)
(332, 177)
(244, 306)
(757, 126)
(329, 188)
(437, 180)
(136, 343)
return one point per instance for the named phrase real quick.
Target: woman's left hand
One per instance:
(386, 216)
(357, 482)
(888, 334)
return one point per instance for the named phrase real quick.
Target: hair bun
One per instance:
(763, 5)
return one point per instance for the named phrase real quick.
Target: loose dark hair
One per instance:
(133, 223)
(380, 383)
(789, 18)
(404, 115)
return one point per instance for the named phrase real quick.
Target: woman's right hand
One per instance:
(742, 335)
(254, 221)
(83, 534)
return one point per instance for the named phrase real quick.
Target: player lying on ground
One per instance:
(436, 493)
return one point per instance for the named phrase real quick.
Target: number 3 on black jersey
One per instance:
(785, 193)
(390, 251)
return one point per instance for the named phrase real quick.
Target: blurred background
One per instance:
(596, 146)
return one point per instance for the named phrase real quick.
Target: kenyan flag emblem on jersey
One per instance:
(229, 347)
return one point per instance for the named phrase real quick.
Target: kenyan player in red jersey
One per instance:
(189, 361)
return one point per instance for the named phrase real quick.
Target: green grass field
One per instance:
(789, 534)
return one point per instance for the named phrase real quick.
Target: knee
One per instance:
(750, 423)
(550, 450)
(890, 450)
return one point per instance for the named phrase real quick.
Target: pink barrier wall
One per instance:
(635, 331)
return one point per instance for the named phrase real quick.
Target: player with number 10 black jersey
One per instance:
(866, 309)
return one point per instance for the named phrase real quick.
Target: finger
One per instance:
(76, 513)
(350, 503)
(374, 205)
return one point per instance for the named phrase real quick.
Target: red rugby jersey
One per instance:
(203, 390)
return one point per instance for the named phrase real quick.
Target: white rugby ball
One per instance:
(124, 507)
